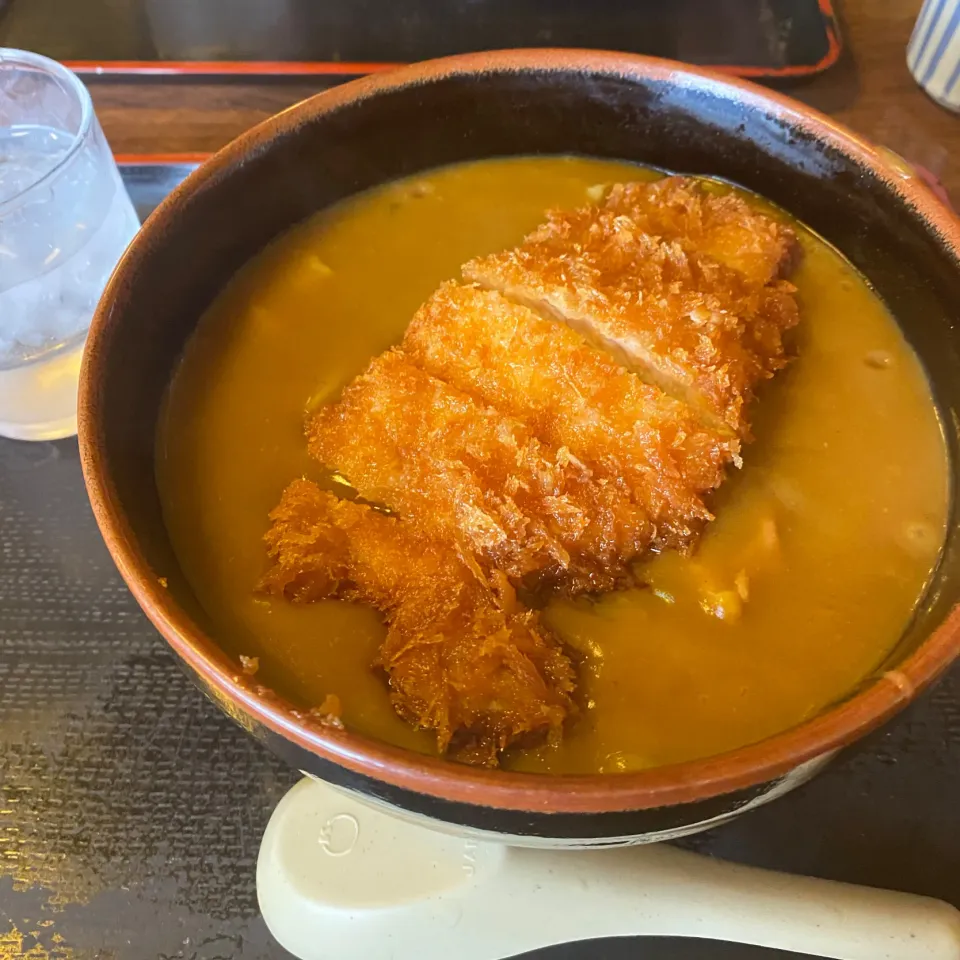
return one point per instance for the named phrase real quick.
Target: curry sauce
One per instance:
(822, 545)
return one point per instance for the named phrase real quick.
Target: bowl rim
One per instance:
(247, 702)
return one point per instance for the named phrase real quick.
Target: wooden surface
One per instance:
(870, 89)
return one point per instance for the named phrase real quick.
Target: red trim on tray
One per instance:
(159, 159)
(320, 68)
(230, 68)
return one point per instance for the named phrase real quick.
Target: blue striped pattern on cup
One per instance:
(933, 54)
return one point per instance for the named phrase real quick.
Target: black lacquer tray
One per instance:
(341, 38)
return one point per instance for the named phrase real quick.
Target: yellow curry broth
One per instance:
(821, 547)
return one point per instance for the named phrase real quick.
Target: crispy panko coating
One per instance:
(475, 477)
(723, 226)
(573, 396)
(462, 657)
(705, 333)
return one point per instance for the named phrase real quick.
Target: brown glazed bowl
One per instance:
(521, 102)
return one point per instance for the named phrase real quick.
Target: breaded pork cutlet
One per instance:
(723, 226)
(463, 659)
(703, 332)
(573, 396)
(472, 476)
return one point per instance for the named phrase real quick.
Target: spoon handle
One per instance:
(663, 891)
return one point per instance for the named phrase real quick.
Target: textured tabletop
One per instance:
(131, 809)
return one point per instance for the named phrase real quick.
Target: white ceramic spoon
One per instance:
(339, 880)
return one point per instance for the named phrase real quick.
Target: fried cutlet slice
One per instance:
(574, 396)
(701, 331)
(724, 226)
(472, 476)
(463, 659)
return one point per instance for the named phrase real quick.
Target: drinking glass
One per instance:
(65, 219)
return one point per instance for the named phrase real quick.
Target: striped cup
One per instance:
(933, 54)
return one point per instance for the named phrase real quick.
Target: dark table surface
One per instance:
(131, 810)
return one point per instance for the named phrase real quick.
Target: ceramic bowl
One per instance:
(353, 137)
